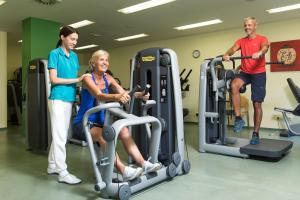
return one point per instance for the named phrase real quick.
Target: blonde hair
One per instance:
(96, 55)
(250, 18)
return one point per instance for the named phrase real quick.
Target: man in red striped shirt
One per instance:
(252, 72)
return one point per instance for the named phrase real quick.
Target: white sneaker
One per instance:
(131, 173)
(52, 171)
(69, 179)
(151, 167)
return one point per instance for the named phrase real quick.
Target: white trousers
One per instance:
(60, 113)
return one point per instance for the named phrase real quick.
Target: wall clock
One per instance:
(196, 54)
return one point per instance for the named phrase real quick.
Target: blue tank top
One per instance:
(88, 101)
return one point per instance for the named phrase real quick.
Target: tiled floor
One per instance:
(213, 177)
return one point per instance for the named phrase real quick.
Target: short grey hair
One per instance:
(250, 18)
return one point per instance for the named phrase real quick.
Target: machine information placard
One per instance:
(163, 89)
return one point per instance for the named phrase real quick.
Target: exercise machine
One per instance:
(159, 68)
(185, 87)
(151, 126)
(214, 85)
(38, 88)
(14, 98)
(38, 136)
(103, 162)
(293, 129)
(184, 80)
(75, 108)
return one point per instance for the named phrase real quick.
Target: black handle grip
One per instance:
(237, 58)
(275, 63)
(189, 73)
(182, 72)
(240, 57)
(135, 89)
(147, 89)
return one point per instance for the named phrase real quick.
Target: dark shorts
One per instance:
(258, 85)
(78, 130)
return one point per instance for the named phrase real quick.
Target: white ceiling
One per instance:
(158, 22)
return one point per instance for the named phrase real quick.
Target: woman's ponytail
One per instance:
(59, 42)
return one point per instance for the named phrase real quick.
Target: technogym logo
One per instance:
(148, 58)
(32, 67)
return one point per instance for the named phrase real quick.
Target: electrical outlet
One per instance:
(276, 117)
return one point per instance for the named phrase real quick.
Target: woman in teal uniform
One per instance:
(63, 68)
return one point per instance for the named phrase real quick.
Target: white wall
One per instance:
(3, 79)
(210, 45)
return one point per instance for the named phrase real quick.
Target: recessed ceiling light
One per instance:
(2, 2)
(132, 37)
(20, 41)
(86, 47)
(81, 23)
(283, 9)
(200, 24)
(143, 6)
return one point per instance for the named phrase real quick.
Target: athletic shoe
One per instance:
(238, 125)
(131, 173)
(151, 167)
(69, 179)
(255, 139)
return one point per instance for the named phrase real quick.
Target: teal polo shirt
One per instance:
(67, 67)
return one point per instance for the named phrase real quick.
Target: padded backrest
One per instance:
(295, 89)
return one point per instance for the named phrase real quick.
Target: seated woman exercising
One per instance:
(95, 87)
